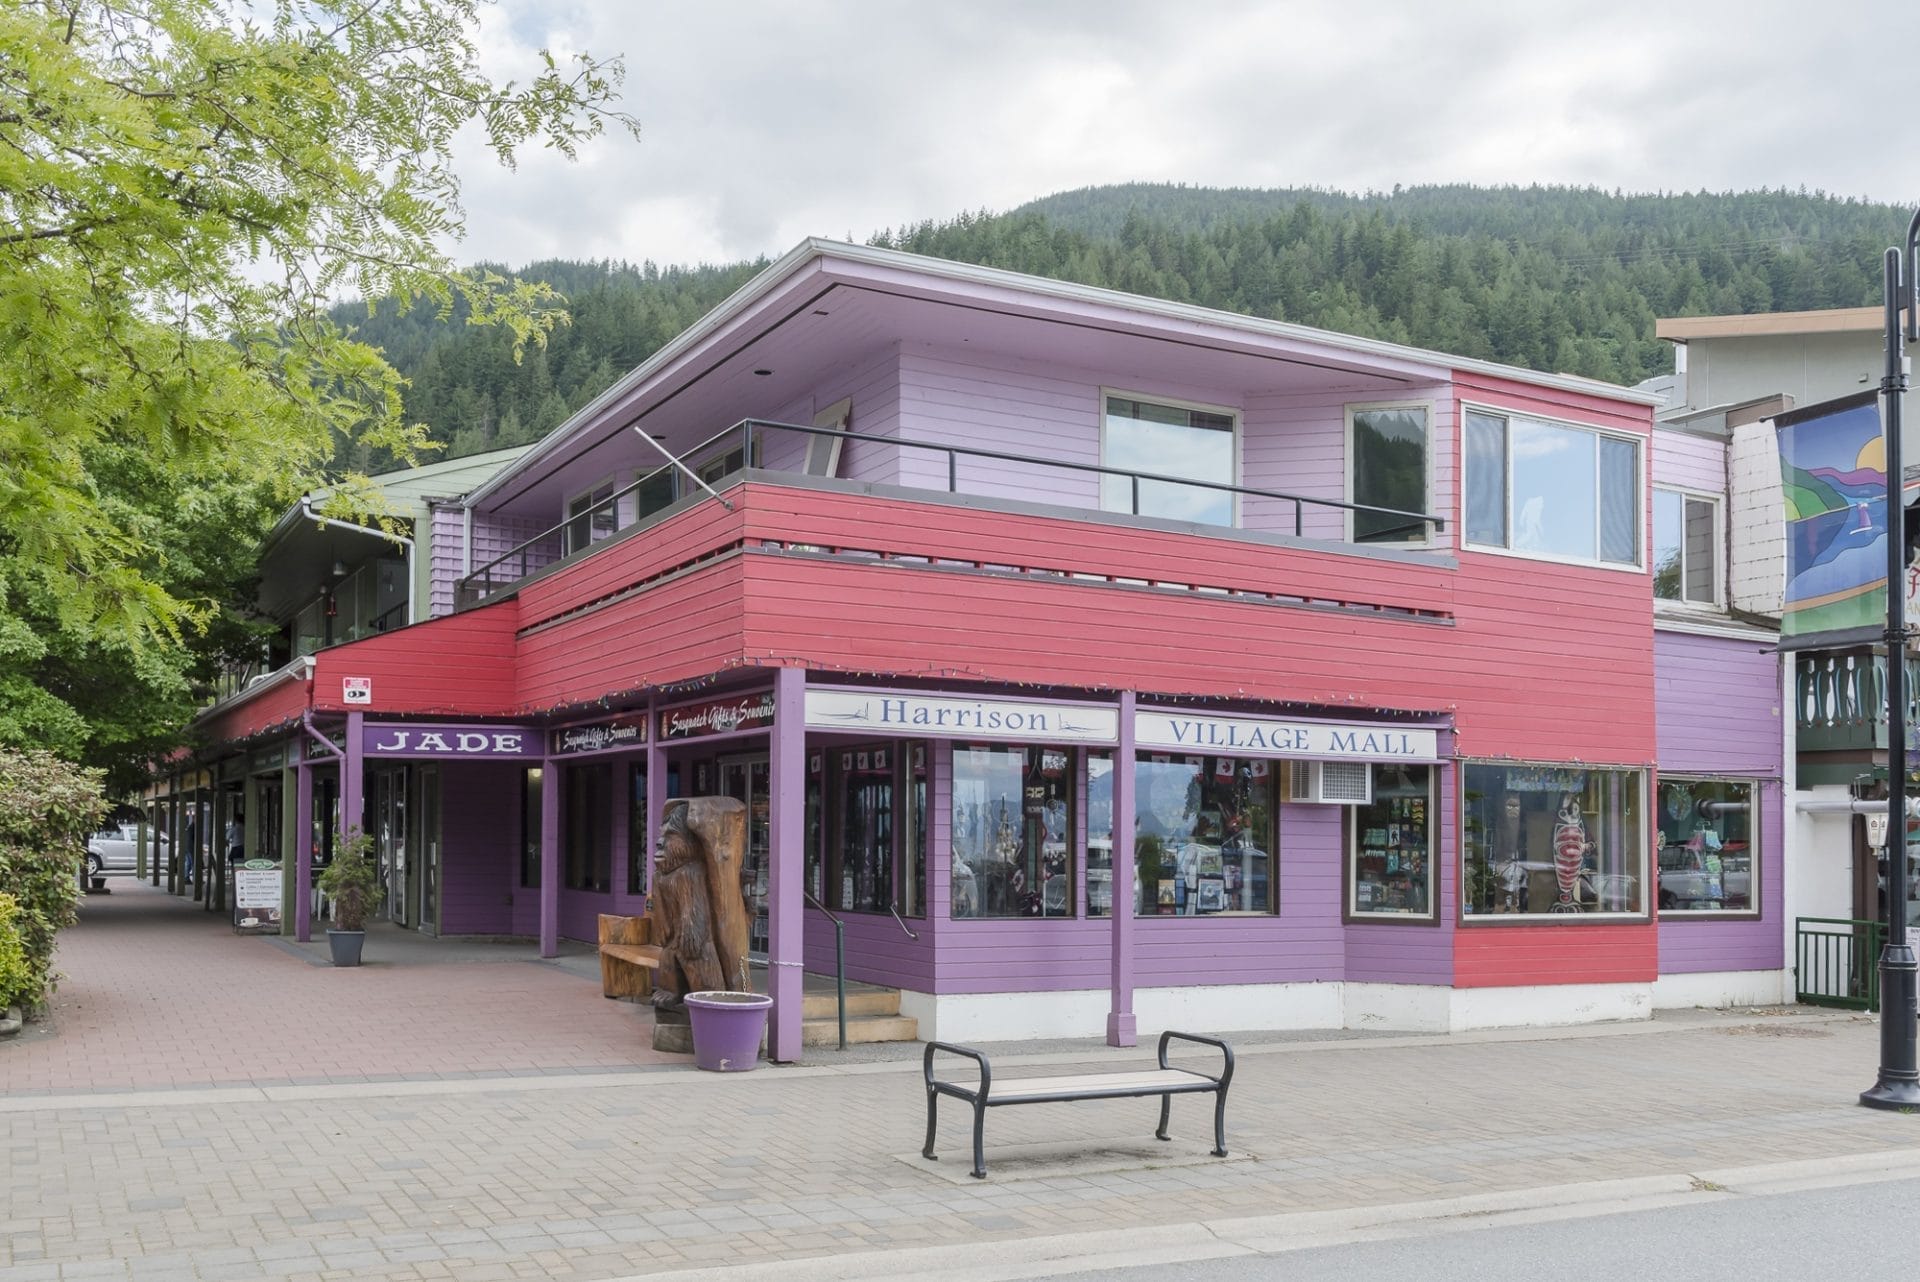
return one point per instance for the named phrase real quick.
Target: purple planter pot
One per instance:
(727, 1029)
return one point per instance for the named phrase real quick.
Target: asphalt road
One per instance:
(1859, 1231)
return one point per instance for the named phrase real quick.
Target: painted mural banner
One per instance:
(1833, 472)
(627, 731)
(257, 890)
(960, 716)
(1276, 737)
(717, 716)
(448, 742)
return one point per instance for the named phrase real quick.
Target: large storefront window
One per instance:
(866, 827)
(863, 790)
(636, 828)
(1551, 841)
(1706, 861)
(1012, 832)
(1392, 846)
(1204, 840)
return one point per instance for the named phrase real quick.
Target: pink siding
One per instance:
(1718, 713)
(479, 850)
(1684, 461)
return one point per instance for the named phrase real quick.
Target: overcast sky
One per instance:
(764, 123)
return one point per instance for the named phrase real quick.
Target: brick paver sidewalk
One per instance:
(589, 1177)
(158, 993)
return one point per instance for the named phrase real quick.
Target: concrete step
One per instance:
(867, 1028)
(862, 999)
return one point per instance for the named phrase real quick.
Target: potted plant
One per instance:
(352, 885)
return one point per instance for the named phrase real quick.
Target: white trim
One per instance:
(1352, 826)
(1721, 988)
(1710, 626)
(1642, 500)
(1237, 416)
(1347, 467)
(1719, 546)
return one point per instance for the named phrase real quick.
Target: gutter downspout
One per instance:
(413, 593)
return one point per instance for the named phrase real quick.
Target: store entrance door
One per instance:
(745, 779)
(390, 838)
(423, 884)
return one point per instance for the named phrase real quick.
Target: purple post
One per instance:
(303, 851)
(1120, 1022)
(656, 788)
(549, 858)
(787, 786)
(352, 770)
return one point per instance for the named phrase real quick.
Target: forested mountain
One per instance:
(1552, 278)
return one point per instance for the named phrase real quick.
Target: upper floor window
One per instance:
(1169, 440)
(590, 517)
(1552, 490)
(1387, 468)
(1686, 562)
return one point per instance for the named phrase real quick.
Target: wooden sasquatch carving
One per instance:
(699, 914)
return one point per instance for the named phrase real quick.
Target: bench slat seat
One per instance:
(1166, 1081)
(647, 955)
(1022, 1090)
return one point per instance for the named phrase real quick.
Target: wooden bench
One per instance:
(1165, 1081)
(628, 956)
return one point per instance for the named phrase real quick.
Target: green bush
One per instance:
(47, 808)
(352, 883)
(16, 978)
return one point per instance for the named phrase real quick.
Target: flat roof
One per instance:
(1832, 320)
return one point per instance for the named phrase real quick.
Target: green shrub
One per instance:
(47, 808)
(16, 977)
(352, 883)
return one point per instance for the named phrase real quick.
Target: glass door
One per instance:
(425, 887)
(745, 779)
(390, 838)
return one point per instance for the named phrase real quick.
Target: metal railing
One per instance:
(902, 922)
(839, 962)
(1836, 962)
(556, 543)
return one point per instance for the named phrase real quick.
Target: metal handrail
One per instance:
(839, 961)
(747, 428)
(901, 922)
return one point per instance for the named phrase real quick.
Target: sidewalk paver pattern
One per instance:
(590, 1179)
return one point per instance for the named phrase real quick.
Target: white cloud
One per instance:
(765, 122)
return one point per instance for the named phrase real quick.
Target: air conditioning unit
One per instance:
(1330, 783)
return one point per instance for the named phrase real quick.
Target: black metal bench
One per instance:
(1165, 1081)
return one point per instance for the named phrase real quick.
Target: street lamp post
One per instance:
(1899, 1082)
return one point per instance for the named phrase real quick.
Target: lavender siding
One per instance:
(996, 403)
(446, 560)
(1717, 712)
(497, 533)
(480, 827)
(1683, 461)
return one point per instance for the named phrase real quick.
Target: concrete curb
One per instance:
(1173, 1244)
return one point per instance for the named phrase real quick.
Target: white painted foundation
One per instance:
(1404, 1008)
(1723, 988)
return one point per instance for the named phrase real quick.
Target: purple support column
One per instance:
(352, 778)
(303, 851)
(1120, 1022)
(787, 788)
(549, 858)
(656, 788)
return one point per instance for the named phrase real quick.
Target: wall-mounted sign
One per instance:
(627, 731)
(268, 759)
(1271, 737)
(721, 716)
(257, 887)
(356, 689)
(958, 716)
(448, 742)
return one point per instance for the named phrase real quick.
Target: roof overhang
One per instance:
(1835, 320)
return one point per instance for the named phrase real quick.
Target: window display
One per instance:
(1392, 845)
(1706, 861)
(1553, 841)
(863, 790)
(1204, 836)
(1012, 832)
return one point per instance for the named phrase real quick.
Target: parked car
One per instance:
(116, 850)
(1702, 879)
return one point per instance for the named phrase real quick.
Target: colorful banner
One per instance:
(1833, 472)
